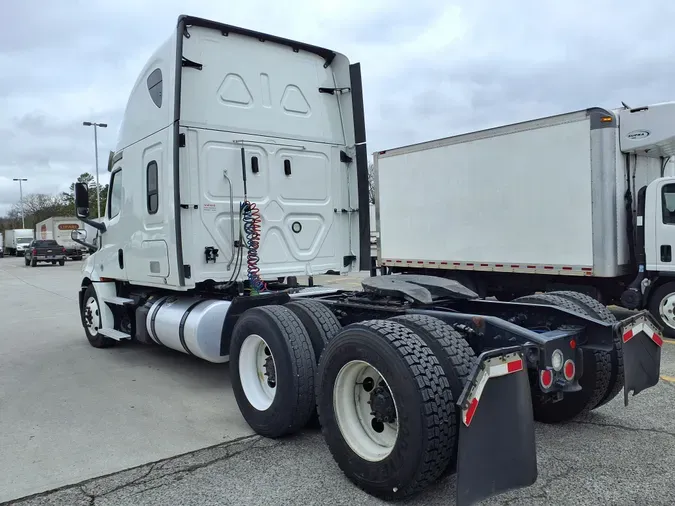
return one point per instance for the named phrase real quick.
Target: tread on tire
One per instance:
(594, 381)
(423, 401)
(295, 367)
(596, 309)
(454, 354)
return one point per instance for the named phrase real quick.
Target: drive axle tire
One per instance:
(90, 316)
(386, 409)
(594, 381)
(597, 310)
(453, 352)
(321, 325)
(272, 369)
(319, 321)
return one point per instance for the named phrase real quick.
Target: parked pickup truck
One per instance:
(45, 250)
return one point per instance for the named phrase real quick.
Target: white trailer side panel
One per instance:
(520, 197)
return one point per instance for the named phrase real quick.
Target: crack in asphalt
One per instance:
(621, 427)
(94, 496)
(184, 471)
(249, 442)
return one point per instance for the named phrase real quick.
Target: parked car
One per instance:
(45, 250)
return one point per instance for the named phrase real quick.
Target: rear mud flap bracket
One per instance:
(641, 340)
(497, 449)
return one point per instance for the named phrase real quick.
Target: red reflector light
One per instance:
(573, 344)
(546, 378)
(471, 411)
(569, 370)
(657, 339)
(627, 335)
(515, 366)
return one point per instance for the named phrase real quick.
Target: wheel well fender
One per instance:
(656, 282)
(85, 283)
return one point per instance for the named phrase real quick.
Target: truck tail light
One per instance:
(546, 378)
(569, 370)
(34, 251)
(64, 250)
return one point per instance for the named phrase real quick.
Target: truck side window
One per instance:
(668, 204)
(153, 190)
(155, 86)
(115, 191)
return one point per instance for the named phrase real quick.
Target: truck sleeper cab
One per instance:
(242, 165)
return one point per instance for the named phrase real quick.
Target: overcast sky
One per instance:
(431, 68)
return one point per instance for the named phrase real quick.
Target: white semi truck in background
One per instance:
(583, 201)
(17, 241)
(241, 164)
(59, 228)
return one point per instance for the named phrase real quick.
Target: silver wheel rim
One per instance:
(92, 316)
(667, 310)
(370, 439)
(257, 372)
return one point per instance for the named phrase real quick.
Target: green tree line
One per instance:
(40, 206)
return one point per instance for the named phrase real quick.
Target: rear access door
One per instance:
(253, 109)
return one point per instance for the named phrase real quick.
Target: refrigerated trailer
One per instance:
(242, 164)
(59, 228)
(580, 201)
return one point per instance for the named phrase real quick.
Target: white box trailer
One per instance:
(17, 240)
(254, 171)
(59, 228)
(545, 204)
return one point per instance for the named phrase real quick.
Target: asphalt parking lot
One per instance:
(135, 425)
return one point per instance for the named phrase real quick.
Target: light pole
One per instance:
(98, 194)
(20, 180)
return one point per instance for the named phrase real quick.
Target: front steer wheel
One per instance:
(272, 368)
(386, 408)
(91, 320)
(662, 307)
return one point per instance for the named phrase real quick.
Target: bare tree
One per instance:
(371, 183)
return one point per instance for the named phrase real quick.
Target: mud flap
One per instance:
(497, 449)
(641, 339)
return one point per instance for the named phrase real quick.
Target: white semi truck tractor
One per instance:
(241, 166)
(582, 201)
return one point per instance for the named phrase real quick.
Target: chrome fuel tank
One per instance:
(192, 325)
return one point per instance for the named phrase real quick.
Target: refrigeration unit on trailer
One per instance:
(17, 241)
(579, 201)
(60, 228)
(241, 165)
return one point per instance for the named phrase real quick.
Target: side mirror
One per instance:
(80, 234)
(81, 200)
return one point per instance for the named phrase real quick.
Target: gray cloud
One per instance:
(430, 68)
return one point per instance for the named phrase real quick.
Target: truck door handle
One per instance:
(666, 253)
(120, 258)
